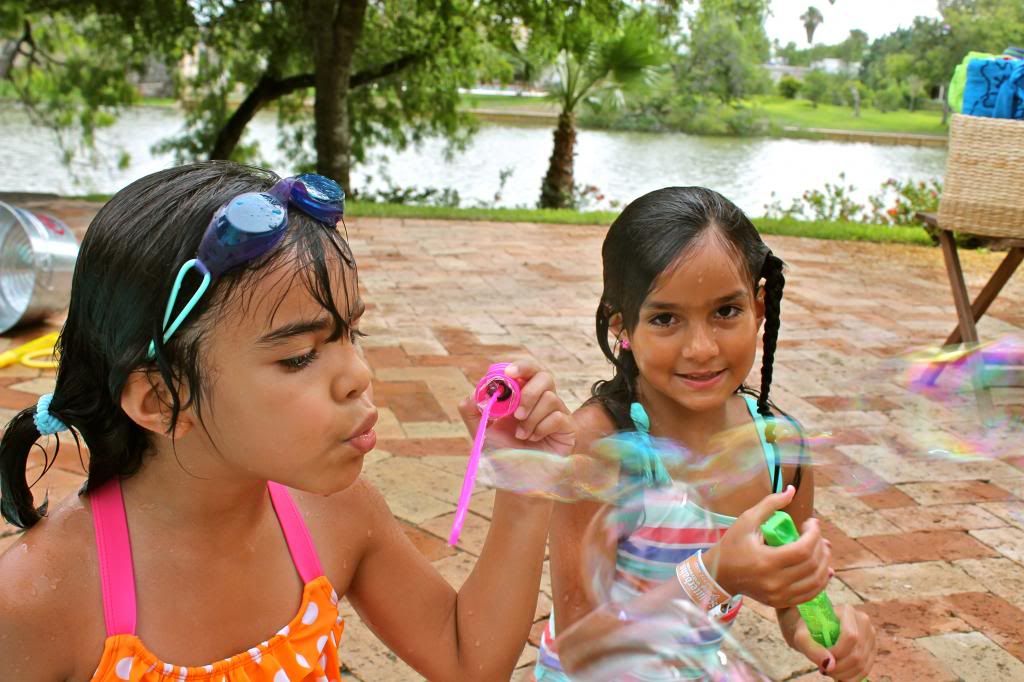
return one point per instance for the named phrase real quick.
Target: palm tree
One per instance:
(812, 19)
(607, 66)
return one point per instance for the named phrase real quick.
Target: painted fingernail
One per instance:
(520, 414)
(512, 370)
(520, 434)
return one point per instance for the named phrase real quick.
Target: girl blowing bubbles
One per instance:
(223, 512)
(687, 285)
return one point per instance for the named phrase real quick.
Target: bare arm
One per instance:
(478, 632)
(569, 524)
(475, 633)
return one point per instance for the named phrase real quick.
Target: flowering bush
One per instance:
(896, 203)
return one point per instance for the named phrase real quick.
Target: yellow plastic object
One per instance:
(37, 353)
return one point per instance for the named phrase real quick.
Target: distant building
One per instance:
(776, 71)
(836, 66)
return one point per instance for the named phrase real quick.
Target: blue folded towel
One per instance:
(995, 88)
(1010, 100)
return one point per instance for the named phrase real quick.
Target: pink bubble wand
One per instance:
(496, 396)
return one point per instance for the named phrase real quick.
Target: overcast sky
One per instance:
(874, 17)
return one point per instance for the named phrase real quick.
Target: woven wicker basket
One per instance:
(983, 192)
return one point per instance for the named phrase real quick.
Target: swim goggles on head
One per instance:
(247, 227)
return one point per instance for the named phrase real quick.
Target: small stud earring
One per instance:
(625, 344)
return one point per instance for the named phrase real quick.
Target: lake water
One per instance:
(622, 165)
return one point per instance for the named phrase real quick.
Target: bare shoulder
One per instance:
(593, 423)
(50, 592)
(345, 525)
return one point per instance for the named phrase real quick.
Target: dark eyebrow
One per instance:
(738, 295)
(289, 331)
(293, 329)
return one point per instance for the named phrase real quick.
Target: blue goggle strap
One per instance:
(192, 302)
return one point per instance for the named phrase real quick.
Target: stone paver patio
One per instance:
(933, 549)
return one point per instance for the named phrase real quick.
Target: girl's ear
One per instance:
(759, 306)
(615, 327)
(144, 399)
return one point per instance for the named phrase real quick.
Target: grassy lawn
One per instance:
(800, 113)
(510, 103)
(790, 228)
(813, 229)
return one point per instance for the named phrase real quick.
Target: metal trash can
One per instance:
(37, 260)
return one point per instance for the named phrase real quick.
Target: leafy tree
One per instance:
(595, 62)
(812, 19)
(816, 87)
(727, 45)
(377, 72)
(789, 87)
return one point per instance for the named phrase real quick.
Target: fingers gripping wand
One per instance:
(496, 396)
(818, 614)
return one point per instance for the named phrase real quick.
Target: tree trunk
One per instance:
(338, 27)
(945, 104)
(266, 91)
(556, 191)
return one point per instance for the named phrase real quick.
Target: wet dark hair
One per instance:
(651, 235)
(126, 267)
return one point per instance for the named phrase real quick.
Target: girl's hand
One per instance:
(850, 659)
(541, 422)
(776, 576)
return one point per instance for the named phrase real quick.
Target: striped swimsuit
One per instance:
(668, 534)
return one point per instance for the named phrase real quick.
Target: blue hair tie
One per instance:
(46, 423)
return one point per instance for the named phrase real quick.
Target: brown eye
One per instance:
(662, 320)
(300, 361)
(729, 311)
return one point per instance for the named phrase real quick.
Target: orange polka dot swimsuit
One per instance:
(305, 649)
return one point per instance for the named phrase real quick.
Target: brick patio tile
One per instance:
(430, 546)
(1007, 541)
(943, 517)
(416, 407)
(945, 545)
(385, 390)
(386, 356)
(13, 399)
(37, 385)
(762, 639)
(367, 657)
(425, 447)
(902, 660)
(1011, 512)
(836, 403)
(434, 429)
(1002, 577)
(999, 620)
(537, 631)
(888, 497)
(899, 581)
(847, 552)
(953, 492)
(913, 618)
(471, 539)
(973, 657)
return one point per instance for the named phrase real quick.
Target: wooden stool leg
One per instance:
(995, 284)
(968, 331)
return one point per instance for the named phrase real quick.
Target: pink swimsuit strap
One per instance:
(115, 553)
